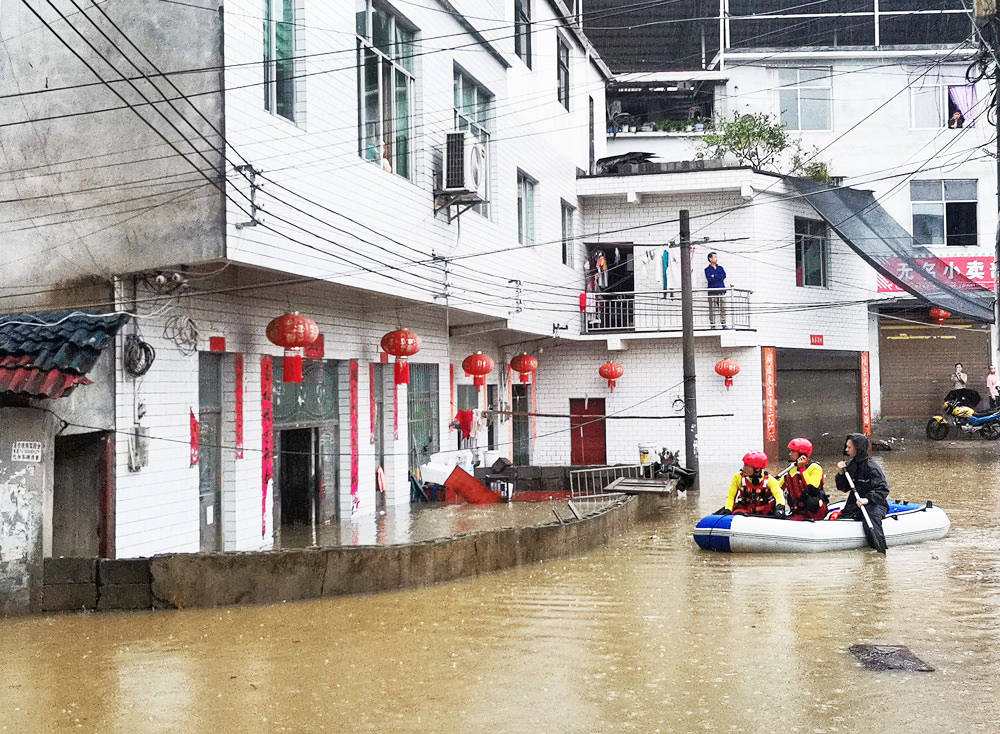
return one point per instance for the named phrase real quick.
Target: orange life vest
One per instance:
(796, 488)
(754, 498)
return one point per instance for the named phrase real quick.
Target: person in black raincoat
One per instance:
(871, 487)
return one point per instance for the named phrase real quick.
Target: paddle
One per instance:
(870, 529)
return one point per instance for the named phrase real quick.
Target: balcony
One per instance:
(656, 311)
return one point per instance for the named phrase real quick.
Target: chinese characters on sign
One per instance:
(816, 340)
(770, 395)
(866, 398)
(979, 270)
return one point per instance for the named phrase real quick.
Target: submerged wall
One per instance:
(216, 579)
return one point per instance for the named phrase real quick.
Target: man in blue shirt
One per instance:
(715, 274)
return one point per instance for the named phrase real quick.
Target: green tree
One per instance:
(762, 142)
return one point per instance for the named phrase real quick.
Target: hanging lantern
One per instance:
(939, 314)
(401, 344)
(727, 368)
(294, 332)
(524, 364)
(478, 365)
(611, 371)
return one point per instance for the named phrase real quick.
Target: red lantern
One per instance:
(294, 332)
(939, 314)
(524, 364)
(727, 368)
(478, 365)
(401, 344)
(611, 371)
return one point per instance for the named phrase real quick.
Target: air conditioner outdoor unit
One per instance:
(466, 166)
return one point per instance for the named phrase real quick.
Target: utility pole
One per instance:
(687, 347)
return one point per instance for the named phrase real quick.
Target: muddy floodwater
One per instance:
(648, 634)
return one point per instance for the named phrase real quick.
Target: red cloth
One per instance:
(464, 418)
(583, 302)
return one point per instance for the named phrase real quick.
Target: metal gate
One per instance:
(423, 413)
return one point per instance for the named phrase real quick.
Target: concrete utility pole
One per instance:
(687, 341)
(986, 22)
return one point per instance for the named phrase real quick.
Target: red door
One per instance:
(587, 432)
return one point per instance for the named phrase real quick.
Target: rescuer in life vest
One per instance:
(753, 491)
(803, 484)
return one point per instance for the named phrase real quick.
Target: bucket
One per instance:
(646, 452)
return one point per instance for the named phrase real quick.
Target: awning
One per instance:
(47, 354)
(869, 230)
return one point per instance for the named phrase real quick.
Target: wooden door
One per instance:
(587, 439)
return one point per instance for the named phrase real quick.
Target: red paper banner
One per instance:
(267, 435)
(195, 440)
(238, 404)
(770, 389)
(372, 416)
(354, 433)
(981, 270)
(866, 399)
(451, 394)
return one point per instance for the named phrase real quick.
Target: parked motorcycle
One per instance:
(959, 411)
(667, 466)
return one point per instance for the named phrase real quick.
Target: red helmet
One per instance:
(756, 459)
(801, 445)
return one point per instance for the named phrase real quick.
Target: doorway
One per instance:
(296, 475)
(210, 453)
(521, 425)
(80, 485)
(587, 437)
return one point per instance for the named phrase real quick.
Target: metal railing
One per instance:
(591, 484)
(634, 311)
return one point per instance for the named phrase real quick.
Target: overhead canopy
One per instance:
(869, 230)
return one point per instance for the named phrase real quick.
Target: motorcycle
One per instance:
(959, 411)
(667, 466)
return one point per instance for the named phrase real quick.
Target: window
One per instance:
(942, 105)
(562, 71)
(811, 246)
(279, 58)
(944, 212)
(592, 161)
(474, 112)
(423, 415)
(385, 87)
(804, 98)
(522, 30)
(525, 209)
(567, 234)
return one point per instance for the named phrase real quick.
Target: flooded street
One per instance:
(648, 634)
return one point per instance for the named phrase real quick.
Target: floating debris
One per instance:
(889, 657)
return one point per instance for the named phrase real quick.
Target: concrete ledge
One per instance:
(216, 579)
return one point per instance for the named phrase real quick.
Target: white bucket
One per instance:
(646, 453)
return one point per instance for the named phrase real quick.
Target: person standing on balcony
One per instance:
(715, 275)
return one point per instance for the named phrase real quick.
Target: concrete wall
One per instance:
(217, 579)
(25, 505)
(93, 194)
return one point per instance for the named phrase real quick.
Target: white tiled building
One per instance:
(879, 115)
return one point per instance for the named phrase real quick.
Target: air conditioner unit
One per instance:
(466, 165)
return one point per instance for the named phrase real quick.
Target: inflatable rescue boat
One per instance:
(906, 523)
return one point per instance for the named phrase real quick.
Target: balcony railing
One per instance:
(635, 311)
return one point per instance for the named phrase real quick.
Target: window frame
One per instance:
(272, 64)
(478, 124)
(390, 68)
(944, 104)
(800, 254)
(567, 216)
(562, 70)
(944, 201)
(797, 88)
(525, 208)
(522, 29)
